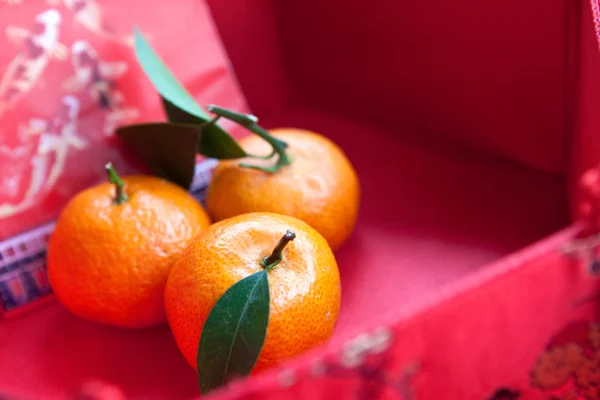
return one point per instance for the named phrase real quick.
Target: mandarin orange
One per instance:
(319, 186)
(112, 249)
(305, 289)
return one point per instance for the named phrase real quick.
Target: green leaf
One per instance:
(177, 115)
(164, 81)
(234, 332)
(214, 142)
(169, 150)
(219, 145)
(182, 108)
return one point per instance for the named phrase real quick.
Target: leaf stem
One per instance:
(116, 180)
(268, 263)
(212, 121)
(250, 122)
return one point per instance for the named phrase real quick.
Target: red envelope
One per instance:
(69, 78)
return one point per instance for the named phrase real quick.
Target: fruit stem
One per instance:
(250, 122)
(268, 263)
(116, 180)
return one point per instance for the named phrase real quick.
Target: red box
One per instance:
(469, 124)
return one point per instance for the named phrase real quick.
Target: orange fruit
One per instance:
(320, 186)
(109, 262)
(304, 287)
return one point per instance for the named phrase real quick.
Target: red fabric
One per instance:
(486, 334)
(586, 149)
(56, 132)
(491, 75)
(249, 31)
(430, 214)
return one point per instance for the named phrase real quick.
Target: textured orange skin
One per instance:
(320, 186)
(304, 287)
(109, 263)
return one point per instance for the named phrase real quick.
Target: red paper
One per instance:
(68, 77)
